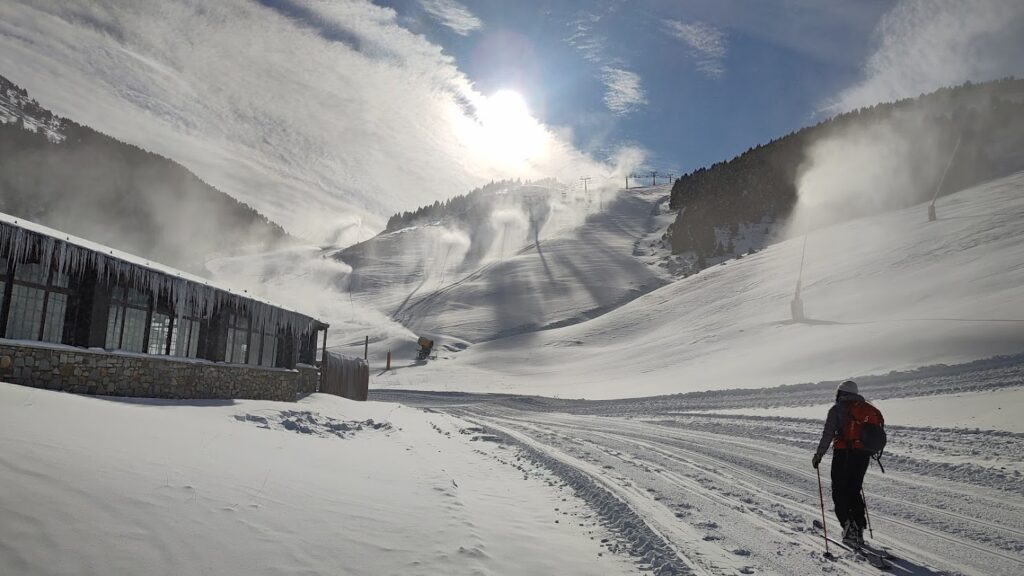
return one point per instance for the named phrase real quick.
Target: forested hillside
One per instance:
(73, 178)
(761, 185)
(470, 208)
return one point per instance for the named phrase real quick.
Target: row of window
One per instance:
(39, 302)
(39, 307)
(247, 346)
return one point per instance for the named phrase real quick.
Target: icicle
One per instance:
(188, 298)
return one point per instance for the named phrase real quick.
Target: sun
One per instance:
(511, 132)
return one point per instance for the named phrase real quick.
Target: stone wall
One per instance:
(309, 379)
(85, 371)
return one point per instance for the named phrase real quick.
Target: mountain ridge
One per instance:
(71, 177)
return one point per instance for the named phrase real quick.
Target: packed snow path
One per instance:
(735, 494)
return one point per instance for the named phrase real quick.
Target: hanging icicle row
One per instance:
(188, 297)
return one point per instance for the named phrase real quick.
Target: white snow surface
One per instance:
(105, 486)
(988, 410)
(715, 483)
(883, 293)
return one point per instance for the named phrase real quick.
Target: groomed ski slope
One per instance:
(541, 259)
(889, 292)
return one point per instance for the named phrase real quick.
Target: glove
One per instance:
(815, 460)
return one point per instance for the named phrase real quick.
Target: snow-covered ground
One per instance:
(889, 292)
(95, 485)
(582, 313)
(692, 455)
(728, 494)
(989, 410)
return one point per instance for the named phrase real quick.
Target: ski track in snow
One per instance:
(706, 493)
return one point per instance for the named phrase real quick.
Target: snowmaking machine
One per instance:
(426, 349)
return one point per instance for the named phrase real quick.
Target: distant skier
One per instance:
(856, 431)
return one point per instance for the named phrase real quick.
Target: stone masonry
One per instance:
(90, 371)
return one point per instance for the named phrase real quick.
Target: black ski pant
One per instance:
(848, 469)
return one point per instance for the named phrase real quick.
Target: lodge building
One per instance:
(79, 316)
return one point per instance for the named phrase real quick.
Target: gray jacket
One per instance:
(834, 421)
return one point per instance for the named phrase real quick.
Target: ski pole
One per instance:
(867, 515)
(824, 526)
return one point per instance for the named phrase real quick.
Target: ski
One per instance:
(881, 551)
(873, 555)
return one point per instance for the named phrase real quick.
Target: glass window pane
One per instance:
(26, 313)
(241, 346)
(136, 298)
(30, 272)
(254, 350)
(59, 279)
(193, 341)
(114, 327)
(176, 336)
(56, 308)
(185, 338)
(134, 330)
(238, 346)
(269, 356)
(159, 327)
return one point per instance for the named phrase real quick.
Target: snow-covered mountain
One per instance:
(67, 176)
(16, 107)
(887, 292)
(529, 261)
(888, 156)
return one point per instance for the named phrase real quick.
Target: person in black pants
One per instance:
(849, 464)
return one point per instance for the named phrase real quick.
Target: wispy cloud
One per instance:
(585, 38)
(923, 45)
(623, 93)
(453, 15)
(708, 45)
(332, 119)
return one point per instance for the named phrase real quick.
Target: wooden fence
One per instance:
(345, 376)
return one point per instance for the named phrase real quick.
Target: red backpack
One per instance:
(862, 427)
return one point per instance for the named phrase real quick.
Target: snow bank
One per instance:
(992, 410)
(111, 486)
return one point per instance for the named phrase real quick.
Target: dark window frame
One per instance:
(120, 297)
(234, 327)
(47, 286)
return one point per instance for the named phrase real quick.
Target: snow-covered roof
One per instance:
(188, 291)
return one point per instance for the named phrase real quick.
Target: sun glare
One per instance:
(510, 131)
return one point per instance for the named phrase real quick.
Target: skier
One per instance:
(844, 429)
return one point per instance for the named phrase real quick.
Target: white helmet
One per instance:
(850, 387)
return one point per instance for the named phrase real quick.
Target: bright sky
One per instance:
(329, 115)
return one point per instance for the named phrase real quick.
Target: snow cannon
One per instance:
(426, 347)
